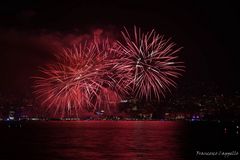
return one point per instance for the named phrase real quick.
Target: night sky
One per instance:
(207, 31)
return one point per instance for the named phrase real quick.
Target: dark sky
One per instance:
(207, 31)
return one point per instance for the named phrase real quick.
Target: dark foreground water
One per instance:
(119, 140)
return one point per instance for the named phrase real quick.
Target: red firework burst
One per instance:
(150, 62)
(96, 75)
(84, 78)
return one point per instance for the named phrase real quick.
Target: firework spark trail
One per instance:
(83, 79)
(150, 63)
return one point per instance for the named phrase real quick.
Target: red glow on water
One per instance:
(119, 140)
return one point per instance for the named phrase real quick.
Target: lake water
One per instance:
(115, 140)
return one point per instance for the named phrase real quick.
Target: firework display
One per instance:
(97, 74)
(151, 63)
(82, 79)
